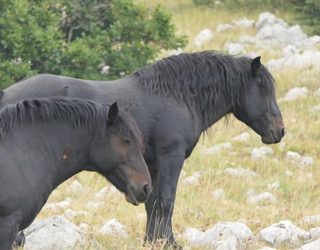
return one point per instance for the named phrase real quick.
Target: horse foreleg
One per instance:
(8, 231)
(161, 202)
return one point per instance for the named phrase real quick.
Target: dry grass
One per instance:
(297, 196)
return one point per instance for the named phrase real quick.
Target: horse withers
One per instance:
(43, 142)
(175, 100)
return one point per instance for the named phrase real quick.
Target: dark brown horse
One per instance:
(43, 142)
(173, 101)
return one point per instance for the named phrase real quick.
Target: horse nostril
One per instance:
(147, 189)
(283, 132)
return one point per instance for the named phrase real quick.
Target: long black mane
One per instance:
(77, 111)
(202, 80)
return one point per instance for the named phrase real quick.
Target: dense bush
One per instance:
(79, 37)
(308, 13)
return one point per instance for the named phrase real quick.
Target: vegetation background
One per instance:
(80, 38)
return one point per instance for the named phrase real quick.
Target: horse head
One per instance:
(257, 107)
(119, 157)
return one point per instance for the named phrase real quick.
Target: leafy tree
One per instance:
(79, 37)
(308, 13)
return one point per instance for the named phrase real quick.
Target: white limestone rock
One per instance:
(284, 233)
(95, 205)
(314, 245)
(274, 186)
(291, 155)
(71, 214)
(261, 152)
(240, 172)
(58, 205)
(244, 23)
(218, 194)
(315, 109)
(203, 37)
(234, 48)
(223, 27)
(53, 233)
(243, 137)
(295, 93)
(217, 148)
(224, 235)
(75, 187)
(262, 199)
(113, 228)
(194, 179)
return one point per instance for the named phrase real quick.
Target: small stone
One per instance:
(234, 48)
(102, 193)
(261, 152)
(244, 23)
(53, 233)
(71, 214)
(314, 245)
(240, 172)
(262, 199)
(315, 108)
(224, 235)
(113, 228)
(217, 148)
(84, 227)
(218, 194)
(284, 233)
(203, 37)
(194, 179)
(293, 155)
(95, 205)
(306, 161)
(223, 27)
(183, 174)
(295, 93)
(288, 173)
(76, 187)
(315, 233)
(243, 137)
(58, 205)
(274, 186)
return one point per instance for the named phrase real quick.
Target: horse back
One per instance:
(45, 85)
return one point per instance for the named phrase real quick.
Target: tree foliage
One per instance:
(79, 37)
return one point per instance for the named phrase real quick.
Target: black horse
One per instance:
(173, 101)
(43, 142)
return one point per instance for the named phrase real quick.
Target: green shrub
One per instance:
(77, 37)
(308, 13)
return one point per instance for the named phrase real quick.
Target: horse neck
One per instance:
(63, 150)
(217, 112)
(210, 113)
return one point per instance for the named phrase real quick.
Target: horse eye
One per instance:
(126, 140)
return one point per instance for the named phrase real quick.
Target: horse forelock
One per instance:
(203, 80)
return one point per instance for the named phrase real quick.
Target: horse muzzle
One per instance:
(276, 131)
(136, 195)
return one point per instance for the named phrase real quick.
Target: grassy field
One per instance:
(298, 195)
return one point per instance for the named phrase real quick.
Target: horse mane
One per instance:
(79, 112)
(202, 80)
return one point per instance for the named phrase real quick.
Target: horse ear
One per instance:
(113, 112)
(255, 65)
